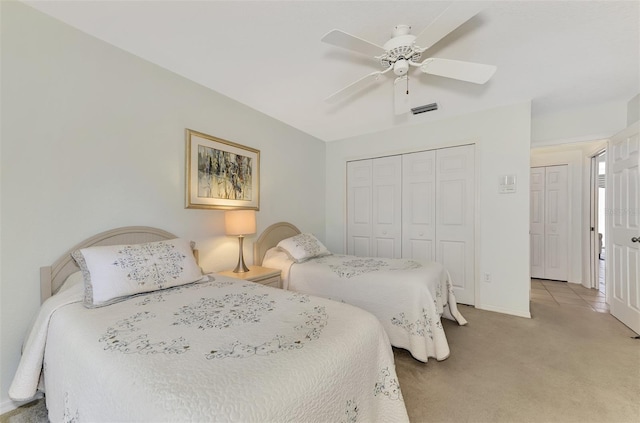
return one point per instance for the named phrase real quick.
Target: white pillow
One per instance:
(303, 247)
(112, 273)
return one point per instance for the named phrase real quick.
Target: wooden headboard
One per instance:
(270, 238)
(52, 277)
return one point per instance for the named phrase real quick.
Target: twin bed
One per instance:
(166, 343)
(409, 297)
(214, 349)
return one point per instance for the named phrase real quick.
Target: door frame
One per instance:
(594, 228)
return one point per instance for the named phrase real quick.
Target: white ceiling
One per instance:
(268, 54)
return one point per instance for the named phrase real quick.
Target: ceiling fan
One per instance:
(404, 50)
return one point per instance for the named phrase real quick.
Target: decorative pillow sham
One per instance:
(114, 272)
(303, 247)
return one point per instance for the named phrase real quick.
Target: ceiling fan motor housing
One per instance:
(399, 50)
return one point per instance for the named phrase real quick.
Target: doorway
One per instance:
(598, 227)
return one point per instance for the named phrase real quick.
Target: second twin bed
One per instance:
(409, 297)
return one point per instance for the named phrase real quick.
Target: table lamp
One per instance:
(240, 223)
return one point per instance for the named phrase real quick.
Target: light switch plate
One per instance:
(507, 184)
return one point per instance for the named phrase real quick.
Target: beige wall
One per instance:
(93, 138)
(502, 138)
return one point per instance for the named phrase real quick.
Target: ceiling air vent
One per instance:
(426, 108)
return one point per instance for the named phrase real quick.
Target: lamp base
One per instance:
(241, 267)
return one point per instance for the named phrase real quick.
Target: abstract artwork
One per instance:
(221, 174)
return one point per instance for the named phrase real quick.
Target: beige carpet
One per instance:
(34, 412)
(566, 364)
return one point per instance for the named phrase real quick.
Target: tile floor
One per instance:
(567, 294)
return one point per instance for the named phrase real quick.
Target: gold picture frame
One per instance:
(221, 174)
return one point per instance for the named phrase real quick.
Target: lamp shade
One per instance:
(240, 222)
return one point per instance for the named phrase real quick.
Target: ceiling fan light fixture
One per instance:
(401, 67)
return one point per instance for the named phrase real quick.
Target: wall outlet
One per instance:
(486, 277)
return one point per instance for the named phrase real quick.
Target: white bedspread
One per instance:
(224, 350)
(409, 297)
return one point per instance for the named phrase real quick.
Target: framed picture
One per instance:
(221, 174)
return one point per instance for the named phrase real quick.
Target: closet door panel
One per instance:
(418, 205)
(387, 207)
(359, 208)
(536, 228)
(556, 223)
(455, 199)
(452, 199)
(453, 257)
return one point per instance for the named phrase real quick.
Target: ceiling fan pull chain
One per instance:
(407, 84)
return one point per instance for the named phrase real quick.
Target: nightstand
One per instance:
(259, 274)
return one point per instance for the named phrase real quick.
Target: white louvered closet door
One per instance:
(455, 217)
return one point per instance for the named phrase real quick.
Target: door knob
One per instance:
(634, 239)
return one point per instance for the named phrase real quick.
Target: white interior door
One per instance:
(536, 228)
(623, 227)
(359, 213)
(549, 223)
(419, 205)
(387, 207)
(455, 200)
(556, 226)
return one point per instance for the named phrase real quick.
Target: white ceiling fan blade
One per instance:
(350, 42)
(456, 69)
(353, 88)
(453, 16)
(401, 96)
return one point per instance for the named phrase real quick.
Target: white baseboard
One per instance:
(518, 313)
(10, 405)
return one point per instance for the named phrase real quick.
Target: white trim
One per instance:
(477, 235)
(503, 310)
(566, 141)
(414, 149)
(10, 405)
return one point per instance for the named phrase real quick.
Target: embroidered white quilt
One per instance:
(409, 297)
(222, 350)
